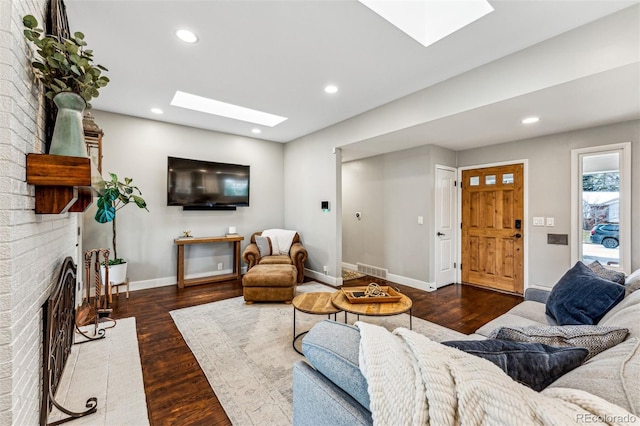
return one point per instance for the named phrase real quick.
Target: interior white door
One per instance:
(445, 226)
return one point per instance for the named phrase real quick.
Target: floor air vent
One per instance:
(374, 271)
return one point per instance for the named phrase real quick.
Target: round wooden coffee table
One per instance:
(341, 302)
(317, 303)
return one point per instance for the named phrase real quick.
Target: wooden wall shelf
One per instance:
(63, 184)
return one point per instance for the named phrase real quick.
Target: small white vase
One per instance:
(117, 273)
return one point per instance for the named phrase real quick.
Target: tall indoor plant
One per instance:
(69, 77)
(115, 196)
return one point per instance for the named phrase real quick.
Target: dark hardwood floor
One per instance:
(177, 390)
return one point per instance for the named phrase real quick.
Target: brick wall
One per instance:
(31, 246)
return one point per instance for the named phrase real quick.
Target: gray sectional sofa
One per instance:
(328, 389)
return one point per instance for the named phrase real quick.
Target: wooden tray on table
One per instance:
(357, 295)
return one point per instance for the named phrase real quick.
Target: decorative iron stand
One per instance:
(99, 311)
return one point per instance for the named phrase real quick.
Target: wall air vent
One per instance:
(374, 271)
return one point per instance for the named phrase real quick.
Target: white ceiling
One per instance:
(277, 56)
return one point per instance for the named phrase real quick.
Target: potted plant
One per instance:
(69, 77)
(115, 196)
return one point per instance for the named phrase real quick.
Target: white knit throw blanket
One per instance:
(415, 381)
(284, 237)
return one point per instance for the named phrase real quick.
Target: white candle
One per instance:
(232, 230)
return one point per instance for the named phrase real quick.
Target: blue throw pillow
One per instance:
(532, 364)
(333, 349)
(582, 298)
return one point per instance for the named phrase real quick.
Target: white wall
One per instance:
(32, 247)
(363, 191)
(391, 191)
(549, 193)
(138, 148)
(312, 175)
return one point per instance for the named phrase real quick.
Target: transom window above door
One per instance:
(492, 179)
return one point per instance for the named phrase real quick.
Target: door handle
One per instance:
(440, 234)
(518, 235)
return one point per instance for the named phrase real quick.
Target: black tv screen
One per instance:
(196, 183)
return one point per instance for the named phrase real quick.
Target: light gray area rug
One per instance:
(245, 351)
(110, 370)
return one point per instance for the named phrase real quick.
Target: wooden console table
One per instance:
(235, 275)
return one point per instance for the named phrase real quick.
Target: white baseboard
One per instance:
(153, 283)
(409, 282)
(326, 279)
(315, 275)
(172, 280)
(539, 287)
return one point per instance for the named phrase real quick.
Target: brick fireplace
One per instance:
(32, 247)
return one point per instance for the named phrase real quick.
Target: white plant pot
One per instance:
(117, 273)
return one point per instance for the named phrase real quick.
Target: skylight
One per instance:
(223, 109)
(428, 21)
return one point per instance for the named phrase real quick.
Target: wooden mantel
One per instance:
(63, 184)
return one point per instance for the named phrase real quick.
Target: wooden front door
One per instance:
(492, 227)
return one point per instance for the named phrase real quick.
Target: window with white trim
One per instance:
(601, 205)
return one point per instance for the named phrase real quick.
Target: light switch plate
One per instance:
(538, 221)
(551, 221)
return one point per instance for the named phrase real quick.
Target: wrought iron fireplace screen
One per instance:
(58, 337)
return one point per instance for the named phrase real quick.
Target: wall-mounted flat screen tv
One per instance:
(197, 184)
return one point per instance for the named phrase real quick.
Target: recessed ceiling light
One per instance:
(186, 36)
(156, 111)
(256, 131)
(530, 120)
(223, 109)
(428, 21)
(331, 89)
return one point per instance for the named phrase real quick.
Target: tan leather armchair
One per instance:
(297, 256)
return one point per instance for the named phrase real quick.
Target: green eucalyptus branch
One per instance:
(64, 64)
